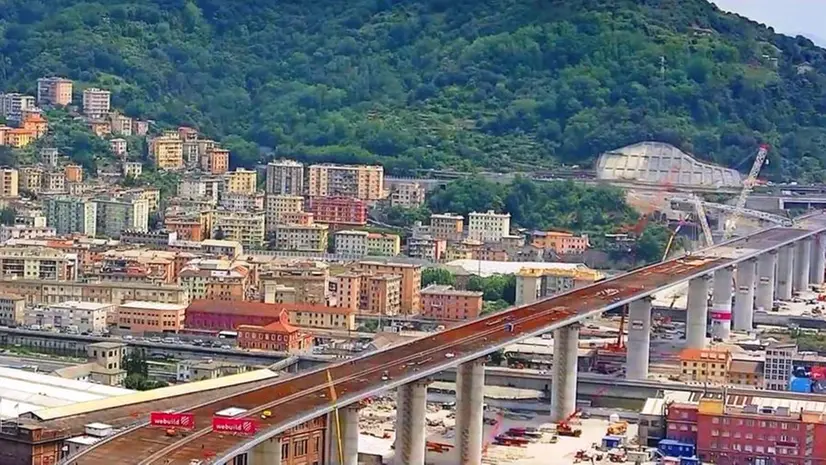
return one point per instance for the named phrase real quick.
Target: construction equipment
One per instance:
(703, 219)
(618, 428)
(748, 186)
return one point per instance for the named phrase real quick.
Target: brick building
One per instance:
(214, 315)
(444, 302)
(279, 336)
(346, 211)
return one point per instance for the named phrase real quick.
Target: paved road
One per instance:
(307, 396)
(44, 364)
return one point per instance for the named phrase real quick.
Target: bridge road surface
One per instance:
(307, 396)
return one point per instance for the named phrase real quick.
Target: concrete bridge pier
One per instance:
(744, 300)
(348, 418)
(802, 262)
(697, 313)
(563, 388)
(721, 303)
(818, 260)
(639, 339)
(766, 264)
(411, 407)
(470, 402)
(266, 453)
(785, 272)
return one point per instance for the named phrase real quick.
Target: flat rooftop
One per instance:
(152, 305)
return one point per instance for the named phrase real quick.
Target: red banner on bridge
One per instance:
(172, 420)
(244, 426)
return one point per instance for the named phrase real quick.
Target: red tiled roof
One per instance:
(278, 326)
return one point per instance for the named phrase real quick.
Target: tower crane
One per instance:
(748, 186)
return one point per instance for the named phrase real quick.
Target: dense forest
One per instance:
(499, 84)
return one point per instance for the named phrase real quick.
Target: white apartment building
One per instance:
(303, 237)
(12, 310)
(96, 102)
(13, 105)
(242, 202)
(351, 242)
(22, 231)
(86, 317)
(116, 215)
(199, 188)
(246, 227)
(488, 227)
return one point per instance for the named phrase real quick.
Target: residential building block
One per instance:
(358, 181)
(277, 205)
(71, 215)
(447, 226)
(151, 317)
(344, 211)
(96, 102)
(55, 91)
(167, 151)
(246, 227)
(489, 226)
(11, 310)
(241, 181)
(411, 283)
(305, 238)
(285, 177)
(446, 303)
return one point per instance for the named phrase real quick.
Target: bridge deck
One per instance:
(306, 396)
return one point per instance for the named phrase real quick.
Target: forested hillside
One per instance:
(438, 83)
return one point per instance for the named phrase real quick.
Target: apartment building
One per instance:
(118, 146)
(407, 194)
(534, 284)
(241, 181)
(360, 243)
(321, 316)
(447, 226)
(23, 231)
(132, 169)
(705, 365)
(37, 263)
(285, 177)
(30, 178)
(217, 161)
(54, 181)
(246, 227)
(9, 182)
(308, 282)
(96, 102)
(151, 317)
(344, 211)
(140, 128)
(277, 205)
(100, 127)
(359, 181)
(279, 336)
(73, 173)
(411, 282)
(427, 248)
(561, 243)
(187, 227)
(215, 282)
(121, 125)
(167, 151)
(48, 156)
(446, 303)
(301, 237)
(85, 317)
(13, 105)
(71, 215)
(489, 226)
(35, 123)
(43, 292)
(242, 202)
(124, 213)
(54, 91)
(778, 366)
(201, 187)
(11, 310)
(369, 293)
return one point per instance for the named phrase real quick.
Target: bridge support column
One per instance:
(563, 387)
(267, 453)
(721, 304)
(411, 407)
(818, 260)
(697, 313)
(766, 264)
(348, 418)
(785, 268)
(639, 339)
(744, 300)
(470, 402)
(802, 262)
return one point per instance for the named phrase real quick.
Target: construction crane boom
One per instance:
(748, 186)
(703, 219)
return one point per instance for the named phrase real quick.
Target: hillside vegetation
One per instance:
(439, 83)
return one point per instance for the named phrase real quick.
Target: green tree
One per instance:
(437, 276)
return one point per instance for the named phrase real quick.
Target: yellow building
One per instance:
(241, 181)
(244, 227)
(321, 316)
(30, 178)
(705, 365)
(279, 205)
(19, 137)
(745, 373)
(385, 245)
(9, 182)
(360, 181)
(302, 237)
(168, 151)
(447, 226)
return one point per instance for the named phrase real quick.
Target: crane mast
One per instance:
(748, 186)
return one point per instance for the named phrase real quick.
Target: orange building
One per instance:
(705, 365)
(215, 283)
(20, 137)
(217, 161)
(411, 284)
(299, 218)
(189, 229)
(151, 317)
(36, 123)
(279, 335)
(74, 173)
(187, 134)
(560, 242)
(445, 303)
